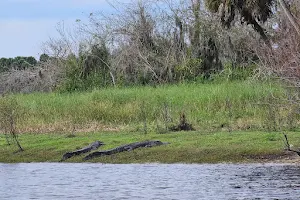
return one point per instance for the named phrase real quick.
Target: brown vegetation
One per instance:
(42, 78)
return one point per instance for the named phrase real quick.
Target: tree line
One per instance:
(21, 62)
(146, 43)
(171, 41)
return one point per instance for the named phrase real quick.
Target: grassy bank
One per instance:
(241, 105)
(185, 147)
(233, 121)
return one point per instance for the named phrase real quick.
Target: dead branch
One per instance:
(288, 147)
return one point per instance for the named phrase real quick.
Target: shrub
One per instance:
(10, 114)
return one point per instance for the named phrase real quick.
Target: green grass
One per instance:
(212, 107)
(231, 121)
(184, 147)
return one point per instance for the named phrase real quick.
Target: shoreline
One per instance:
(289, 160)
(185, 147)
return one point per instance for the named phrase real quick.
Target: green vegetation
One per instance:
(231, 121)
(87, 71)
(210, 107)
(148, 66)
(18, 62)
(185, 147)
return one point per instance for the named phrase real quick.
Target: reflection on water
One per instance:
(149, 181)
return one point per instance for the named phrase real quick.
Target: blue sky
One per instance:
(26, 24)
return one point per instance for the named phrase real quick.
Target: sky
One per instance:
(26, 24)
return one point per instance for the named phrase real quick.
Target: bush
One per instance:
(230, 73)
(88, 71)
(10, 114)
(189, 70)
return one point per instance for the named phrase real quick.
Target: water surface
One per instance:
(149, 181)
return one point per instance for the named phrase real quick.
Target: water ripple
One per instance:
(149, 181)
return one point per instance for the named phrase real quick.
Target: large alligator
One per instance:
(93, 146)
(127, 147)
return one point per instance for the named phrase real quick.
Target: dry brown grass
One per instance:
(62, 127)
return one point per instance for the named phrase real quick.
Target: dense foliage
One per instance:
(17, 63)
(150, 45)
(163, 42)
(250, 11)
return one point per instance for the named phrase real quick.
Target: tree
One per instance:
(97, 62)
(289, 15)
(44, 57)
(250, 11)
(30, 60)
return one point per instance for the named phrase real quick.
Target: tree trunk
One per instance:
(93, 146)
(289, 15)
(127, 147)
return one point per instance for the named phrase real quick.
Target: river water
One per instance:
(149, 181)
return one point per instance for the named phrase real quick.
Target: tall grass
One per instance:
(205, 105)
